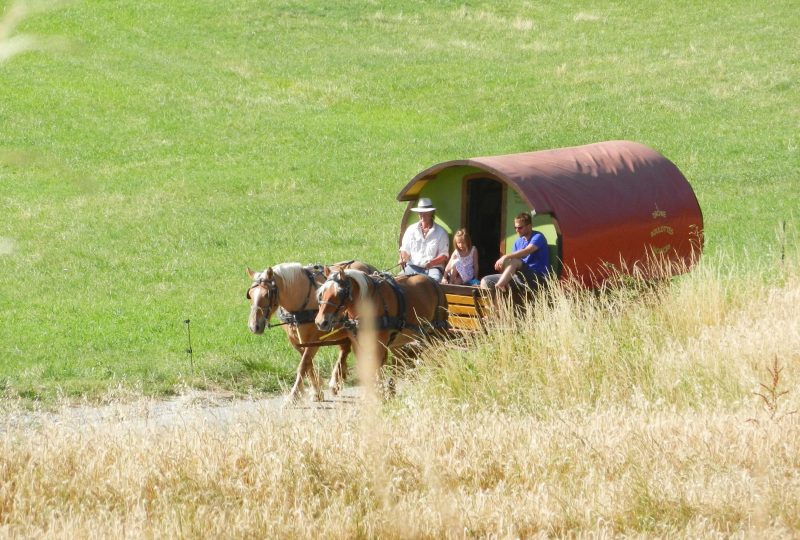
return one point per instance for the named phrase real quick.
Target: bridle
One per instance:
(344, 293)
(272, 294)
(293, 318)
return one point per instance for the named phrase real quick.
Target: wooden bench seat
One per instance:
(467, 307)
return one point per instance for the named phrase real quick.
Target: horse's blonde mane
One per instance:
(357, 276)
(360, 278)
(291, 273)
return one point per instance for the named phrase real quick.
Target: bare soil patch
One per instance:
(192, 408)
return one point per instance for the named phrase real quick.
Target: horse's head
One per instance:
(333, 296)
(263, 296)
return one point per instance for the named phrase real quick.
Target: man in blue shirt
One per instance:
(528, 263)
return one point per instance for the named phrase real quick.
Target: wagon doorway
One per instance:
(484, 213)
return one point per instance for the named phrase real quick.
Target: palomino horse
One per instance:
(290, 289)
(405, 308)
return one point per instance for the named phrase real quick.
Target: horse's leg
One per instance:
(306, 369)
(297, 387)
(339, 373)
(313, 376)
(390, 384)
(385, 385)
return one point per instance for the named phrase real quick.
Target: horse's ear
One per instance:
(326, 271)
(250, 272)
(268, 273)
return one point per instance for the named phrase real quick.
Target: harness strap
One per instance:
(441, 314)
(311, 288)
(397, 323)
(297, 317)
(302, 315)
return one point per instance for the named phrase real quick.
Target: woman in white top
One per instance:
(463, 266)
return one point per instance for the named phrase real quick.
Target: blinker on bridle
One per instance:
(342, 294)
(272, 292)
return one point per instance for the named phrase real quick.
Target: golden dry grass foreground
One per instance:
(692, 434)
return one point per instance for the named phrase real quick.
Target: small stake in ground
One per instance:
(189, 350)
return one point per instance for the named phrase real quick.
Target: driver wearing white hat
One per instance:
(425, 246)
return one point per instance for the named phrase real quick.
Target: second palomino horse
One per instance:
(405, 308)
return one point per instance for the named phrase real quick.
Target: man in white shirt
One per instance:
(425, 247)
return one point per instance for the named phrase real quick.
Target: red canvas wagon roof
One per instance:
(615, 202)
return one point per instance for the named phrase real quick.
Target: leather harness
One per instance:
(296, 317)
(394, 324)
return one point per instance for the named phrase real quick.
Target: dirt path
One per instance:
(191, 408)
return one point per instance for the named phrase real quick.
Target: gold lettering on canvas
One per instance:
(659, 215)
(662, 229)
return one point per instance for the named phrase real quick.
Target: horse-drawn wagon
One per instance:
(604, 208)
(607, 208)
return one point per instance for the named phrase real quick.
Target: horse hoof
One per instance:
(390, 390)
(318, 398)
(288, 403)
(291, 400)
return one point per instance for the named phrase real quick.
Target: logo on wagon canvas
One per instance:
(661, 229)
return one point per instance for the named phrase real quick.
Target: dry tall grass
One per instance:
(703, 340)
(627, 413)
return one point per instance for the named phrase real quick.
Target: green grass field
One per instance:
(149, 152)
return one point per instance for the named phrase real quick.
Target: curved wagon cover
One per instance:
(610, 205)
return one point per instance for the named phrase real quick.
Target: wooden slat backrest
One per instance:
(466, 307)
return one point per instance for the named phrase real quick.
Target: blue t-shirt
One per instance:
(537, 262)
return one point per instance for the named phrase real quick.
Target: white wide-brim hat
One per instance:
(424, 205)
